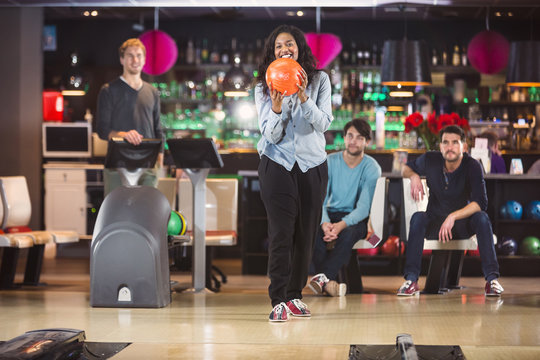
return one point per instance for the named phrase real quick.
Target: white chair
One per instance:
(15, 214)
(376, 232)
(221, 209)
(446, 258)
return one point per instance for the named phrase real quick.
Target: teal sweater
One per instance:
(350, 190)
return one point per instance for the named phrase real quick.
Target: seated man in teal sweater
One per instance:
(352, 177)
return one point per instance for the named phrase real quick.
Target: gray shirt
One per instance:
(122, 108)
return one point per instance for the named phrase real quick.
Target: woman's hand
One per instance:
(277, 99)
(302, 86)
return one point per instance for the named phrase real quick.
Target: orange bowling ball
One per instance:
(284, 74)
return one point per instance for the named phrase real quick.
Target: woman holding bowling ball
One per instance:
(293, 173)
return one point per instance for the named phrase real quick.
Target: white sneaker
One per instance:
(333, 288)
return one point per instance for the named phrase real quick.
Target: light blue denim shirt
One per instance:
(297, 134)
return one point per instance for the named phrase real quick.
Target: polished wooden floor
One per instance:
(232, 324)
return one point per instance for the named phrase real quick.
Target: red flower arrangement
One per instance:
(429, 129)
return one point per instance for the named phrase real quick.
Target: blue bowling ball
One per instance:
(533, 210)
(507, 246)
(514, 210)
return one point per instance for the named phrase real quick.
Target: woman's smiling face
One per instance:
(285, 47)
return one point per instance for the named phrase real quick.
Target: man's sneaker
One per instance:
(316, 284)
(409, 288)
(333, 288)
(279, 313)
(298, 308)
(493, 288)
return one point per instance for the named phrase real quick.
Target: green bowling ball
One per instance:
(174, 227)
(530, 246)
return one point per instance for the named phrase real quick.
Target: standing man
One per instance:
(456, 208)
(352, 177)
(129, 107)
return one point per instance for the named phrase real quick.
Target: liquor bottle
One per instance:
(345, 56)
(190, 53)
(434, 58)
(464, 60)
(198, 53)
(353, 85)
(367, 56)
(214, 55)
(354, 55)
(375, 56)
(456, 58)
(225, 55)
(205, 52)
(235, 57)
(444, 58)
(345, 85)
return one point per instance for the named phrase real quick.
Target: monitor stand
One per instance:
(196, 157)
(131, 160)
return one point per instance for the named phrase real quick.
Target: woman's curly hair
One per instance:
(305, 56)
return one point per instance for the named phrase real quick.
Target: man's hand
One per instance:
(133, 137)
(445, 232)
(334, 230)
(417, 189)
(327, 230)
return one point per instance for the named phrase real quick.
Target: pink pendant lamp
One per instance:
(325, 47)
(161, 49)
(488, 50)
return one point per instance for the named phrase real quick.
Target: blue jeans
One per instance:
(330, 262)
(424, 226)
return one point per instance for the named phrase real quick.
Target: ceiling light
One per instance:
(299, 13)
(290, 13)
(86, 13)
(94, 13)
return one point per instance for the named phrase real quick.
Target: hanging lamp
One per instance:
(236, 81)
(324, 46)
(161, 49)
(405, 62)
(524, 64)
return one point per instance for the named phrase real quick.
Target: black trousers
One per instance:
(293, 202)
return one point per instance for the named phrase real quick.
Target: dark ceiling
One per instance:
(140, 10)
(387, 12)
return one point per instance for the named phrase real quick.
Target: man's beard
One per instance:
(451, 160)
(357, 153)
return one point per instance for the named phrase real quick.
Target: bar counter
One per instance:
(247, 159)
